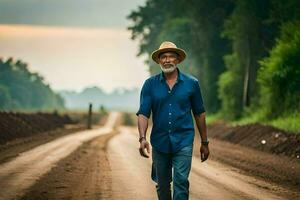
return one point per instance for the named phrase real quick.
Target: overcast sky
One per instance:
(73, 43)
(83, 13)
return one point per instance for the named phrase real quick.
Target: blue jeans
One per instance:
(162, 164)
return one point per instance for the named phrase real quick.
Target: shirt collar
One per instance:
(179, 78)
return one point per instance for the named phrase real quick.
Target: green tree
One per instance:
(208, 47)
(21, 89)
(225, 41)
(279, 75)
(250, 42)
(195, 27)
(5, 98)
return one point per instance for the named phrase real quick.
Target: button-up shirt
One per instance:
(173, 126)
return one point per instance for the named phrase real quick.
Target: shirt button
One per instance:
(170, 113)
(169, 131)
(169, 122)
(170, 104)
(169, 91)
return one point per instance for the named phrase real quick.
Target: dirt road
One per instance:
(23, 171)
(95, 165)
(208, 180)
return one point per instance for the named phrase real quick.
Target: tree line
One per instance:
(246, 53)
(22, 90)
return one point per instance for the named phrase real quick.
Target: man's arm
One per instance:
(142, 127)
(201, 125)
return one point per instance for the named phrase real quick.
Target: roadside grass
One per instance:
(287, 122)
(212, 118)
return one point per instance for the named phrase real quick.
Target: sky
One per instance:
(73, 44)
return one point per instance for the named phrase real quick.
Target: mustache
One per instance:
(168, 64)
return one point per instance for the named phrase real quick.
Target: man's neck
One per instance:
(171, 76)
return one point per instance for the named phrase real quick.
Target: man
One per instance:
(171, 96)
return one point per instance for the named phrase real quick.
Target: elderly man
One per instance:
(171, 96)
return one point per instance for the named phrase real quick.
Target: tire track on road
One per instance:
(209, 180)
(23, 171)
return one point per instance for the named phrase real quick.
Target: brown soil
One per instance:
(85, 174)
(88, 174)
(260, 162)
(20, 132)
(11, 149)
(260, 137)
(20, 125)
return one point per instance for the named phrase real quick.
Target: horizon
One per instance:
(118, 89)
(73, 51)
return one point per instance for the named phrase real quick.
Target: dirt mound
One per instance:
(18, 125)
(260, 137)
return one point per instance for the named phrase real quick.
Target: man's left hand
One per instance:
(204, 152)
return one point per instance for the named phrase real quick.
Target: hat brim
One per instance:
(180, 52)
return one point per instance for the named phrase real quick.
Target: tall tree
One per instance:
(194, 26)
(22, 90)
(250, 42)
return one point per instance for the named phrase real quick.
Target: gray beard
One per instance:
(168, 70)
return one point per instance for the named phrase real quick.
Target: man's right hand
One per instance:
(144, 145)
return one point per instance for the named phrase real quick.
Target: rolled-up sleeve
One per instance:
(196, 99)
(145, 100)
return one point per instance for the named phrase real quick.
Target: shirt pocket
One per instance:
(159, 96)
(183, 100)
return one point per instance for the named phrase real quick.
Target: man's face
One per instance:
(168, 61)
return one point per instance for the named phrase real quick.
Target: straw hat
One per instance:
(168, 47)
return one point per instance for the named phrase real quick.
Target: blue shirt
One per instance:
(173, 126)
